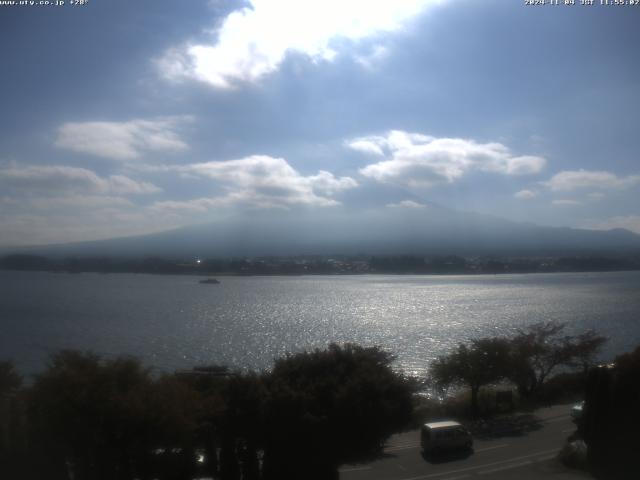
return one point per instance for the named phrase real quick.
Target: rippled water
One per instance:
(175, 322)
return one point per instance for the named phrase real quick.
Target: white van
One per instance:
(444, 436)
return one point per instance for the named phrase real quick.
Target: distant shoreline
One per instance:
(325, 265)
(335, 274)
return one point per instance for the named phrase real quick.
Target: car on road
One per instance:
(444, 435)
(577, 411)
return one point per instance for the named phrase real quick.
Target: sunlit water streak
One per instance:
(174, 322)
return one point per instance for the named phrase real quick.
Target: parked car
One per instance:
(577, 411)
(445, 435)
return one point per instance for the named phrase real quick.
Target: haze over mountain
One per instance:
(425, 230)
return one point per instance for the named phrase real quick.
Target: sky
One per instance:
(124, 118)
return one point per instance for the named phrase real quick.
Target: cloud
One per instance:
(370, 60)
(570, 180)
(566, 203)
(406, 204)
(266, 182)
(629, 222)
(420, 160)
(123, 140)
(121, 185)
(90, 202)
(253, 41)
(63, 180)
(198, 205)
(45, 203)
(525, 194)
(366, 145)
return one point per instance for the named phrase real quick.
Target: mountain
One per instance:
(429, 230)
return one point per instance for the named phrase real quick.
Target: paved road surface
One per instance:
(525, 450)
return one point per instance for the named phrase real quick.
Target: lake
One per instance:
(173, 322)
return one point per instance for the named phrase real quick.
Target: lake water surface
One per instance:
(174, 322)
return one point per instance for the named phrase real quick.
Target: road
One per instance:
(524, 448)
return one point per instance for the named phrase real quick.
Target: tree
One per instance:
(540, 349)
(61, 415)
(327, 407)
(10, 380)
(612, 418)
(103, 418)
(584, 349)
(12, 434)
(210, 382)
(110, 419)
(242, 425)
(483, 362)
